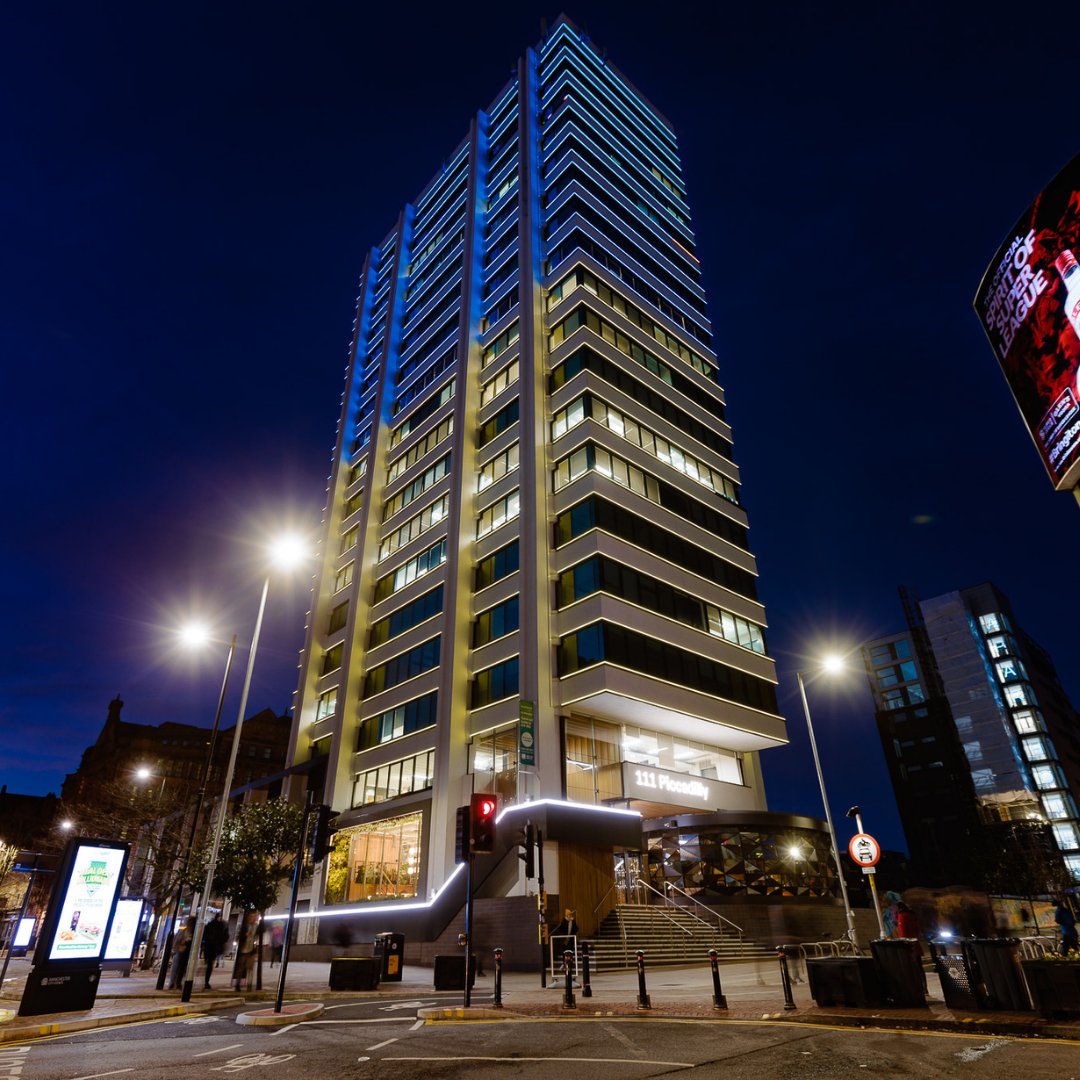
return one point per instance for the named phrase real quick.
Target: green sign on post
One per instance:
(526, 736)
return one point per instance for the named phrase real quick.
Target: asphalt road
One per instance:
(381, 1039)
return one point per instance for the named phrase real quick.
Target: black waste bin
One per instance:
(354, 973)
(844, 980)
(950, 963)
(450, 971)
(994, 970)
(390, 949)
(900, 963)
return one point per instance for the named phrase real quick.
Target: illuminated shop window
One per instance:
(379, 860)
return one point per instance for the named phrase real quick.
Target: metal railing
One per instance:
(721, 921)
(1037, 946)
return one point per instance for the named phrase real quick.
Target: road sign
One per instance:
(864, 849)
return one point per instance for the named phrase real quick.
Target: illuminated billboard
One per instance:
(1029, 306)
(124, 932)
(86, 900)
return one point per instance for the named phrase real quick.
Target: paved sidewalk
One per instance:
(752, 989)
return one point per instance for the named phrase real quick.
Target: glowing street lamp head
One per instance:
(194, 634)
(143, 773)
(288, 551)
(67, 824)
(833, 664)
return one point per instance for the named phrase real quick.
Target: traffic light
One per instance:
(526, 839)
(323, 833)
(482, 810)
(461, 835)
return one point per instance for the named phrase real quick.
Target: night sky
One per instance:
(188, 192)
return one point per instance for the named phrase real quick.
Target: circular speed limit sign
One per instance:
(864, 849)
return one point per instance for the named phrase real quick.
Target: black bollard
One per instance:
(718, 999)
(586, 988)
(785, 978)
(497, 1000)
(568, 967)
(642, 997)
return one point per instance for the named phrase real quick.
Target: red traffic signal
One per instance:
(482, 810)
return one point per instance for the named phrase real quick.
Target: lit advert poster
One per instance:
(1029, 306)
(87, 902)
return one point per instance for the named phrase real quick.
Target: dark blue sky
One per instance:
(188, 192)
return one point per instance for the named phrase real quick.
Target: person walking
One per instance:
(277, 942)
(181, 947)
(1065, 919)
(215, 935)
(245, 950)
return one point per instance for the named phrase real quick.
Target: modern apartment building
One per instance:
(535, 572)
(980, 739)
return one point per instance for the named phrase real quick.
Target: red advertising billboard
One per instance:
(1029, 306)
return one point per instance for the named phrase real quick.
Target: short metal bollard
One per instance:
(642, 998)
(718, 999)
(497, 999)
(568, 993)
(586, 987)
(785, 978)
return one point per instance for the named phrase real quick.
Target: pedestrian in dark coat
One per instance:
(215, 936)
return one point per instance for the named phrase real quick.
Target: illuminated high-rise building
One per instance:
(535, 576)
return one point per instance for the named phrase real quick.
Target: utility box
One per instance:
(450, 971)
(390, 950)
(354, 973)
(900, 964)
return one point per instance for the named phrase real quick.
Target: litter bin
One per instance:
(994, 970)
(844, 980)
(900, 965)
(354, 973)
(951, 965)
(390, 949)
(450, 971)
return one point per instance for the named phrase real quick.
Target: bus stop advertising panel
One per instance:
(1029, 306)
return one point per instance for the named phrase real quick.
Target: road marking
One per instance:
(419, 1024)
(93, 1076)
(219, 1050)
(379, 1046)
(583, 1060)
(407, 1005)
(249, 1061)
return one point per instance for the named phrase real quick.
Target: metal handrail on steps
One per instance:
(689, 914)
(720, 919)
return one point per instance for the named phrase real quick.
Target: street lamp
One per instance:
(285, 553)
(832, 665)
(194, 634)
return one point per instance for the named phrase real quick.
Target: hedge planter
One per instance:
(1054, 986)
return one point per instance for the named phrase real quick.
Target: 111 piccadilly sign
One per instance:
(1029, 305)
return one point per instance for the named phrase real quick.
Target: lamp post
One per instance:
(193, 637)
(286, 552)
(828, 815)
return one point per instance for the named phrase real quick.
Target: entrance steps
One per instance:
(668, 935)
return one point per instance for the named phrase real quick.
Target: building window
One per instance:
(344, 577)
(1010, 670)
(495, 683)
(1018, 694)
(493, 762)
(404, 666)
(497, 566)
(1065, 836)
(405, 618)
(498, 513)
(348, 540)
(1045, 777)
(332, 659)
(491, 389)
(327, 704)
(1027, 721)
(379, 860)
(404, 575)
(413, 716)
(496, 622)
(498, 467)
(414, 527)
(338, 617)
(398, 778)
